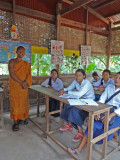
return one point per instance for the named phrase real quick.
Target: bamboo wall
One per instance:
(39, 33)
(115, 42)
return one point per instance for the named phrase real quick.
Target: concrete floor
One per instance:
(30, 143)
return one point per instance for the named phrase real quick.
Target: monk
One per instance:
(19, 82)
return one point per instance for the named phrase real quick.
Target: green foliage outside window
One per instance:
(41, 65)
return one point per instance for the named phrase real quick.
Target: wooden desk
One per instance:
(1, 109)
(93, 110)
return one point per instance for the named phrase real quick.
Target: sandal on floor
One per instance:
(65, 128)
(15, 127)
(43, 114)
(78, 137)
(73, 151)
(24, 122)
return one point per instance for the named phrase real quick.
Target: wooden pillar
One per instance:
(59, 7)
(86, 28)
(13, 22)
(109, 45)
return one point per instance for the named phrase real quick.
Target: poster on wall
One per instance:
(57, 48)
(8, 50)
(85, 54)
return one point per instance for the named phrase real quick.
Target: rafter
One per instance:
(27, 11)
(74, 6)
(105, 4)
(113, 14)
(97, 15)
(93, 12)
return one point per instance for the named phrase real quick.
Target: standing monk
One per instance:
(19, 81)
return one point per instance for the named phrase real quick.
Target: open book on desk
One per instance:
(88, 102)
(70, 96)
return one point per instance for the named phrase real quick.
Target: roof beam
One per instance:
(97, 15)
(82, 26)
(114, 14)
(27, 11)
(93, 12)
(74, 6)
(105, 4)
(67, 1)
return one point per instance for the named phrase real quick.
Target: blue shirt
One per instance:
(84, 89)
(57, 85)
(115, 101)
(98, 83)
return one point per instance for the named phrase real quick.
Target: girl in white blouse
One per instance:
(54, 83)
(99, 126)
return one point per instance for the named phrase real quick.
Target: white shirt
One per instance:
(98, 83)
(115, 101)
(84, 89)
(94, 82)
(57, 85)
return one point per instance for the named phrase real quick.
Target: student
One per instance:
(95, 77)
(54, 83)
(102, 83)
(19, 81)
(73, 115)
(114, 114)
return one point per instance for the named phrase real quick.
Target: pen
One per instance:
(84, 102)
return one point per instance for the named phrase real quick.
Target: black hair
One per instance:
(94, 74)
(82, 71)
(107, 70)
(55, 71)
(20, 47)
(49, 82)
(118, 72)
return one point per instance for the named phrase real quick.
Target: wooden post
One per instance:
(105, 130)
(1, 110)
(86, 28)
(90, 136)
(109, 45)
(59, 7)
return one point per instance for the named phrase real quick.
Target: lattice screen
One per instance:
(40, 33)
(36, 32)
(5, 24)
(98, 43)
(72, 38)
(31, 30)
(115, 43)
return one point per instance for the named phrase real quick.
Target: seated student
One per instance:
(73, 115)
(95, 77)
(54, 83)
(102, 83)
(114, 116)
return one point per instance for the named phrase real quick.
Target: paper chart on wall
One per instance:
(85, 54)
(57, 48)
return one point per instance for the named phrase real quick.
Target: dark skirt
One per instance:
(54, 105)
(99, 129)
(74, 115)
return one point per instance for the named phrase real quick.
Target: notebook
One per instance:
(82, 102)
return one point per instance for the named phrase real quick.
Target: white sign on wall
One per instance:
(57, 48)
(85, 54)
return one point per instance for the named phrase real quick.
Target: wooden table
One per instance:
(93, 110)
(1, 109)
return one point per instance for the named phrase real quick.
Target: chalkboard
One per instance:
(8, 50)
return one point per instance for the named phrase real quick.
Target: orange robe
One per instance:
(19, 100)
